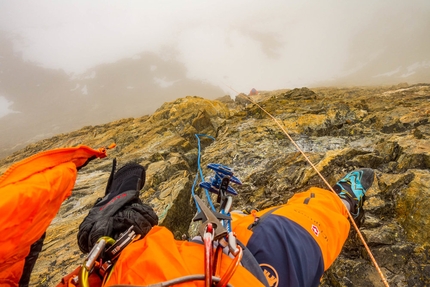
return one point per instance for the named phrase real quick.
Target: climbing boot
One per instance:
(352, 188)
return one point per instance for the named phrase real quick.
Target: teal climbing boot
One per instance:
(352, 188)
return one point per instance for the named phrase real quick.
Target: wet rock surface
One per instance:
(338, 129)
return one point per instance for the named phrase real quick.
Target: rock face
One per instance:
(339, 130)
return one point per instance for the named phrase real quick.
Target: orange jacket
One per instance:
(31, 193)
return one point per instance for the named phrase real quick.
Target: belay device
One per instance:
(219, 185)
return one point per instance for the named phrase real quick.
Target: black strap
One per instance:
(30, 261)
(258, 220)
(112, 173)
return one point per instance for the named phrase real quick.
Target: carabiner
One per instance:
(231, 269)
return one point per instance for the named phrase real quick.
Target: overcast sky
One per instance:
(239, 44)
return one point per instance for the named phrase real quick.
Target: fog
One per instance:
(269, 44)
(211, 48)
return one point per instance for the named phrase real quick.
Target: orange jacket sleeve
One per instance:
(31, 193)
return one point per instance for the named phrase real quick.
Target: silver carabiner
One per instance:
(94, 254)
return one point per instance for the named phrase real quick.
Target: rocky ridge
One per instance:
(339, 129)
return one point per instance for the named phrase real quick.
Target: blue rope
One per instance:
(199, 171)
(226, 223)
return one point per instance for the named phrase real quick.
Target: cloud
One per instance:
(268, 44)
(94, 61)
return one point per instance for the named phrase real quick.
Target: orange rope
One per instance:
(231, 269)
(384, 280)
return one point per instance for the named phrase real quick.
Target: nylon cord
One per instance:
(199, 171)
(384, 280)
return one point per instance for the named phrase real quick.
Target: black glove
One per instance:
(119, 209)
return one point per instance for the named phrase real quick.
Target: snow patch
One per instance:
(388, 74)
(164, 83)
(75, 88)
(412, 69)
(396, 91)
(83, 76)
(404, 75)
(5, 107)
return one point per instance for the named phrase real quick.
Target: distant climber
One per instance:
(253, 92)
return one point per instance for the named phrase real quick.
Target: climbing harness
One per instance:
(384, 280)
